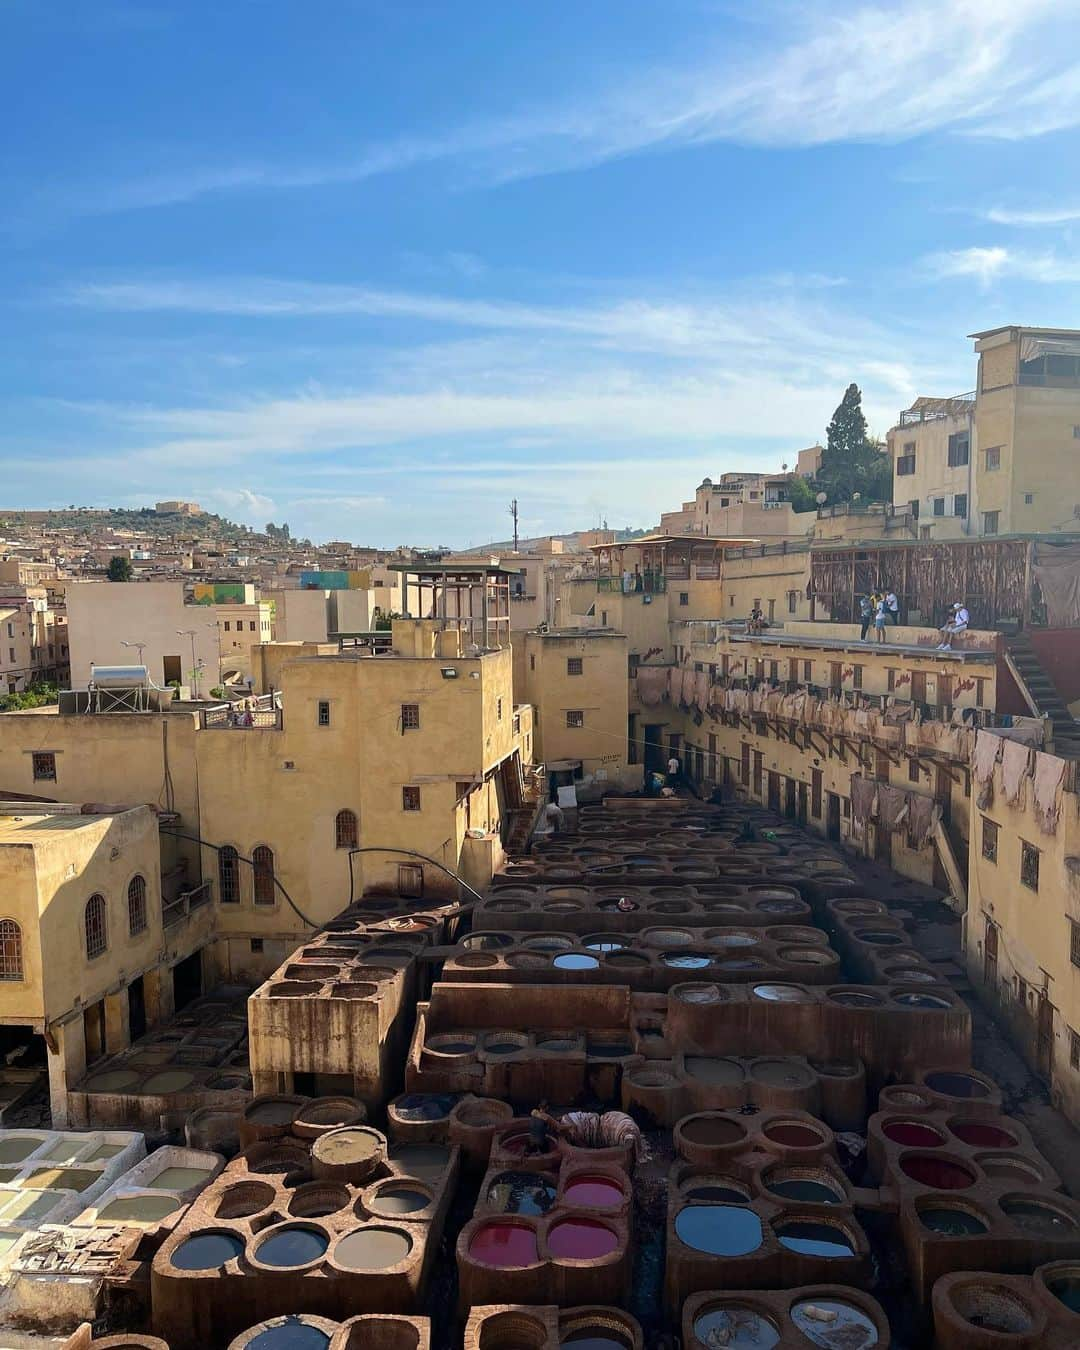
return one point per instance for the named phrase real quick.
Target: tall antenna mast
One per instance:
(514, 514)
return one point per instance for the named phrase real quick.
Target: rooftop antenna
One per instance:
(514, 515)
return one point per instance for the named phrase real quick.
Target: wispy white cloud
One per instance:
(988, 265)
(807, 77)
(1064, 214)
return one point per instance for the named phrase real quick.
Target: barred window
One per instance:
(410, 799)
(136, 905)
(346, 832)
(410, 717)
(263, 861)
(44, 762)
(575, 718)
(989, 840)
(1029, 866)
(1074, 942)
(97, 937)
(323, 713)
(229, 875)
(11, 959)
(575, 665)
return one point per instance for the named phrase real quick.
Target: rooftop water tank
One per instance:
(120, 677)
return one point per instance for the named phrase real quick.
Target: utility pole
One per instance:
(514, 515)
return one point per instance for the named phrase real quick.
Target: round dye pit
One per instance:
(290, 1334)
(717, 1072)
(112, 1080)
(735, 1326)
(556, 1045)
(1034, 1216)
(347, 1145)
(722, 1194)
(793, 1134)
(952, 1222)
(992, 1307)
(740, 963)
(138, 1209)
(450, 1045)
(939, 1174)
(699, 993)
(521, 1193)
(593, 1193)
(504, 1245)
(956, 1085)
(481, 941)
(169, 1080)
(418, 1106)
(609, 1050)
(719, 1230)
(831, 1322)
(669, 937)
(594, 1338)
(815, 1239)
(504, 1047)
(736, 940)
(603, 944)
(548, 943)
(373, 1248)
(781, 993)
(581, 1240)
(575, 961)
(880, 939)
(1008, 1168)
(272, 1112)
(685, 960)
(854, 998)
(1066, 1289)
(400, 1200)
(782, 1073)
(290, 1246)
(712, 1131)
(910, 999)
(207, 1251)
(913, 1134)
(816, 1189)
(426, 1161)
(981, 1134)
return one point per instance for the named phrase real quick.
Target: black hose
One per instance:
(408, 853)
(197, 839)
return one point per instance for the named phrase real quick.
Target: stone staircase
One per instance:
(1065, 730)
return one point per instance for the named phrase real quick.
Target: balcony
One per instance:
(224, 718)
(934, 409)
(641, 583)
(179, 909)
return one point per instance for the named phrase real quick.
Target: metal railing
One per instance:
(224, 718)
(945, 407)
(178, 910)
(652, 583)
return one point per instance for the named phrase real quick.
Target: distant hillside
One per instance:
(527, 545)
(145, 520)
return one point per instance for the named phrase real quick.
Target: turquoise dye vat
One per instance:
(575, 961)
(719, 1230)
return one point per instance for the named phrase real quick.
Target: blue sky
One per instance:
(377, 267)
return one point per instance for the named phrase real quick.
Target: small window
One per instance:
(913, 770)
(251, 625)
(575, 665)
(532, 661)
(792, 601)
(905, 465)
(684, 597)
(993, 458)
(498, 710)
(989, 840)
(227, 626)
(44, 762)
(136, 905)
(324, 712)
(346, 830)
(959, 446)
(856, 677)
(990, 522)
(410, 799)
(632, 663)
(263, 872)
(94, 926)
(256, 945)
(1029, 498)
(11, 957)
(410, 717)
(229, 875)
(1074, 1050)
(939, 506)
(1029, 866)
(1074, 942)
(575, 719)
(603, 618)
(808, 671)
(960, 505)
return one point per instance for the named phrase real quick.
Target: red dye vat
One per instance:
(581, 1240)
(912, 1133)
(594, 1192)
(793, 1135)
(504, 1245)
(515, 1143)
(938, 1173)
(981, 1135)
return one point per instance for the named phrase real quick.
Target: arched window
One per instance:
(228, 867)
(97, 936)
(263, 860)
(136, 905)
(346, 831)
(10, 950)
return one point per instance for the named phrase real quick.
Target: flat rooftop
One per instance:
(23, 822)
(855, 644)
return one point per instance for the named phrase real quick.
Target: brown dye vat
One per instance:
(349, 1153)
(716, 1072)
(323, 1114)
(243, 1199)
(372, 1248)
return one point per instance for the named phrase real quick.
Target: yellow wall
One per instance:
(933, 478)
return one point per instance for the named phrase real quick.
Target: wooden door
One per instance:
(832, 819)
(774, 791)
(990, 957)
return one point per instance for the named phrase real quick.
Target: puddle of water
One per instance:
(719, 1230)
(592, 1338)
(400, 1200)
(685, 960)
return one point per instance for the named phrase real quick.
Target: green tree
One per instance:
(120, 568)
(852, 461)
(802, 494)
